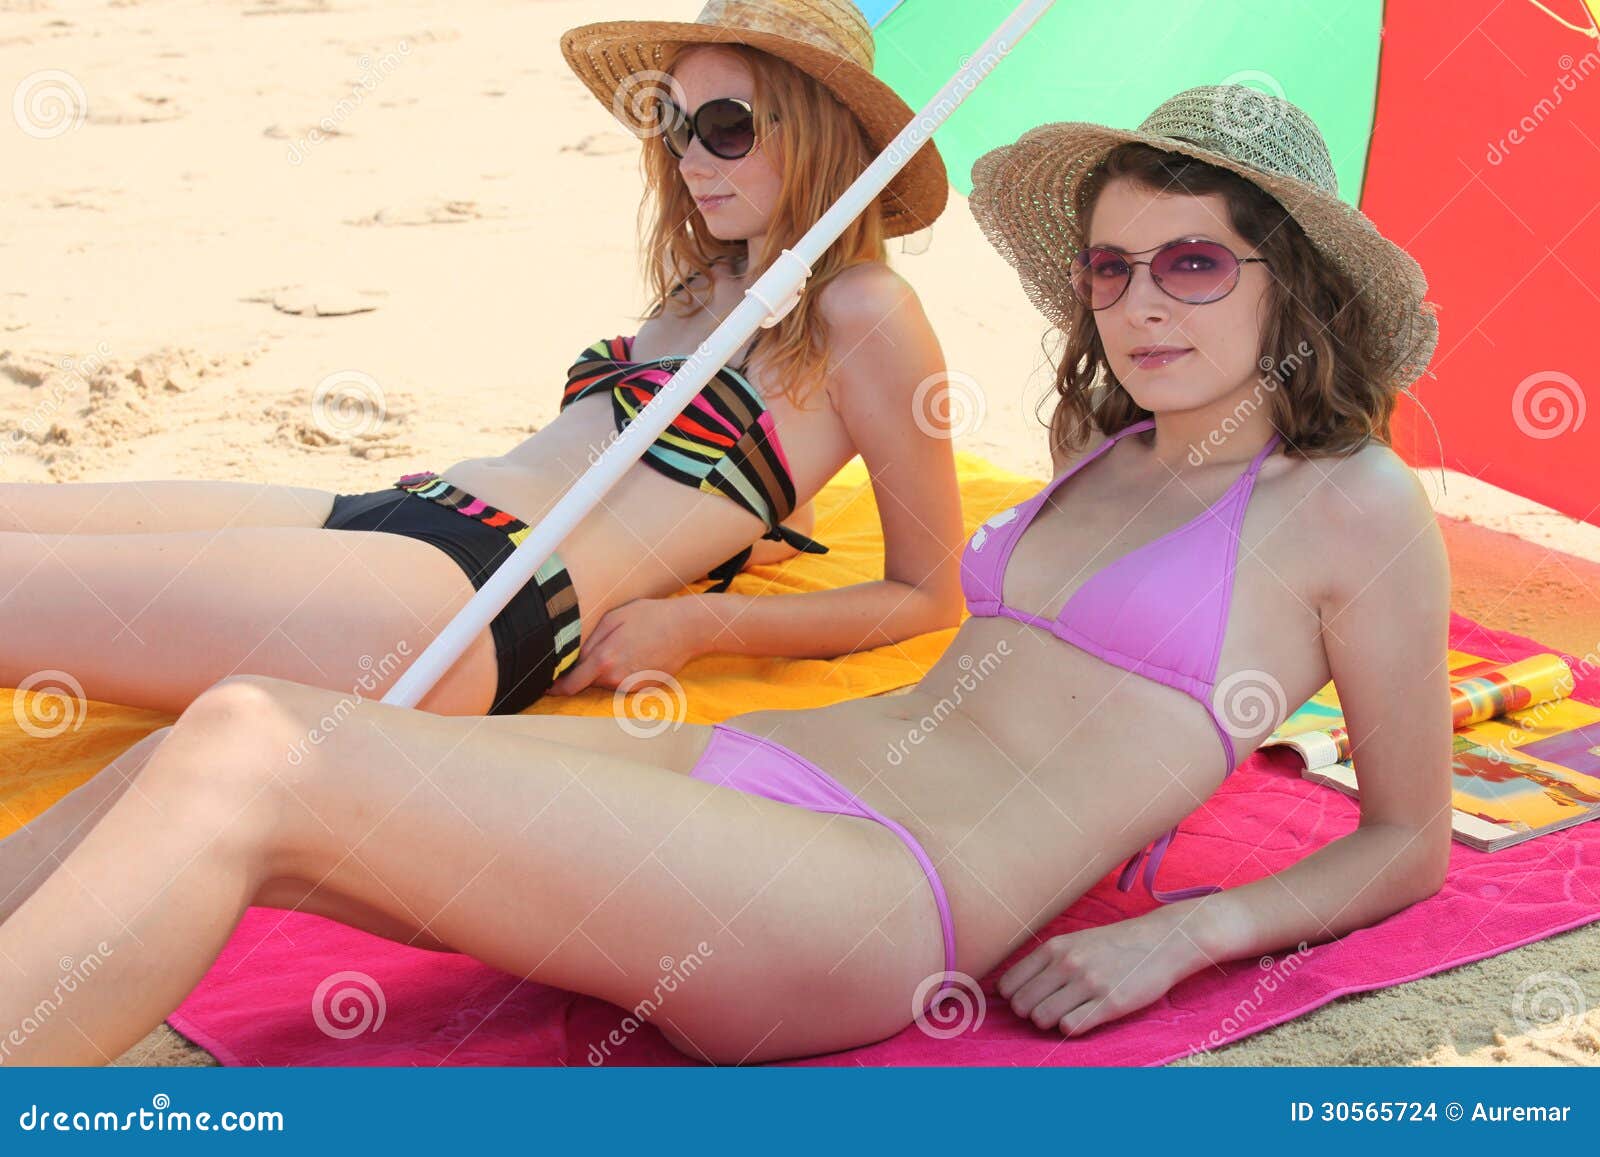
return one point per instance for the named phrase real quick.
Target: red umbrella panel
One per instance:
(1485, 166)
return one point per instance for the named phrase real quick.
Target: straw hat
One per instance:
(828, 40)
(1025, 198)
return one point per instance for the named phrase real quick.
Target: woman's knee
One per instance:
(233, 743)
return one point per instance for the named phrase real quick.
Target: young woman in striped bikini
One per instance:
(148, 593)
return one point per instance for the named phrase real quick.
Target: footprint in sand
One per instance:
(602, 145)
(320, 300)
(304, 132)
(78, 406)
(435, 212)
(136, 109)
(289, 8)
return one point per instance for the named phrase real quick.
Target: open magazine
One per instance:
(1526, 757)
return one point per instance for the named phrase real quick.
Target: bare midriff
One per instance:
(650, 535)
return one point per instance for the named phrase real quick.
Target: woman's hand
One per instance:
(643, 635)
(1082, 979)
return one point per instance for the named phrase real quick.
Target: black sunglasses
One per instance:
(726, 126)
(1193, 271)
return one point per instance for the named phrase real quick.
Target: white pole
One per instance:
(765, 302)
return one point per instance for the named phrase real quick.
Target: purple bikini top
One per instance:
(1160, 611)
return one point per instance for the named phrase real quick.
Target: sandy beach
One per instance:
(216, 209)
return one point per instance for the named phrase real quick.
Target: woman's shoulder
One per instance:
(866, 294)
(1365, 504)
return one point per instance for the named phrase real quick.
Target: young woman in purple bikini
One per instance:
(1234, 532)
(754, 123)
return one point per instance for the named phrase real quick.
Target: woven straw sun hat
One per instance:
(829, 40)
(1025, 198)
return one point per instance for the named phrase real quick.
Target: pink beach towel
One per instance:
(292, 989)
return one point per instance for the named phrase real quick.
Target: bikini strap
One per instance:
(749, 352)
(1266, 452)
(724, 574)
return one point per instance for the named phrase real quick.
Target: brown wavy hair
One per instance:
(822, 151)
(1321, 394)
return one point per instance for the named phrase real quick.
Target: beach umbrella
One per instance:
(765, 302)
(1468, 130)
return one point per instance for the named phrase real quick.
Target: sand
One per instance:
(221, 209)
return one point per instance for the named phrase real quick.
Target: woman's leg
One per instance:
(31, 854)
(599, 874)
(156, 507)
(151, 620)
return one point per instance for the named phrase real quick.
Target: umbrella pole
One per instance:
(765, 304)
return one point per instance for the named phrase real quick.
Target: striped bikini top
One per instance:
(724, 442)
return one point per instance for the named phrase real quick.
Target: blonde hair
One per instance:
(823, 151)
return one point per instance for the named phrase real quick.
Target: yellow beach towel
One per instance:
(50, 744)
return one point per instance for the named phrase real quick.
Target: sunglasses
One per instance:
(1194, 272)
(727, 128)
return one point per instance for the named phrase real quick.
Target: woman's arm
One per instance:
(1384, 627)
(886, 352)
